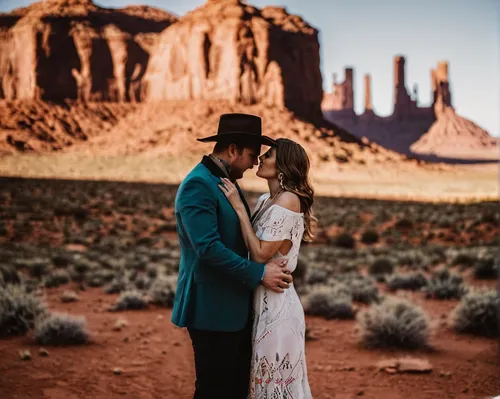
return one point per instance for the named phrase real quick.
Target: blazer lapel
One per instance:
(244, 200)
(212, 167)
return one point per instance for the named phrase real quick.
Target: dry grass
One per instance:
(435, 183)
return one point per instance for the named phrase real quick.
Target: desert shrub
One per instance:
(445, 222)
(345, 240)
(147, 241)
(18, 310)
(464, 259)
(106, 275)
(489, 217)
(369, 236)
(362, 289)
(404, 223)
(56, 278)
(162, 291)
(486, 268)
(99, 277)
(411, 258)
(132, 274)
(142, 282)
(152, 271)
(117, 285)
(316, 276)
(131, 300)
(349, 266)
(330, 302)
(77, 239)
(61, 329)
(445, 285)
(61, 259)
(110, 262)
(82, 266)
(9, 275)
(160, 254)
(412, 281)
(37, 267)
(76, 276)
(139, 264)
(477, 313)
(395, 322)
(381, 266)
(94, 280)
(438, 251)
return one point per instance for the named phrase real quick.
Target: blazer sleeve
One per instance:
(198, 218)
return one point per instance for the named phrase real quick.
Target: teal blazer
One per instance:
(216, 279)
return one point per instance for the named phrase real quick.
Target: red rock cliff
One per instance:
(230, 50)
(67, 49)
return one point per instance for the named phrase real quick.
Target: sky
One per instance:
(367, 34)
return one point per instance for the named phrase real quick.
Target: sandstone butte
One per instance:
(231, 50)
(435, 130)
(72, 49)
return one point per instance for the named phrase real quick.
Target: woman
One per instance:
(282, 218)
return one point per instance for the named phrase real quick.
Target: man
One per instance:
(216, 279)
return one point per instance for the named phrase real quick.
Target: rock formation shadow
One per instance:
(57, 56)
(101, 68)
(297, 65)
(7, 21)
(135, 67)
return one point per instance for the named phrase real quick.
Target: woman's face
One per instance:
(267, 165)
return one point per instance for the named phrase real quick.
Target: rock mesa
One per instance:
(72, 49)
(229, 50)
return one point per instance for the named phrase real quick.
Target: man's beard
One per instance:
(235, 174)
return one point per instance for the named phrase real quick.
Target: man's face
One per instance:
(241, 162)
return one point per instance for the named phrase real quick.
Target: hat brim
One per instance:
(263, 140)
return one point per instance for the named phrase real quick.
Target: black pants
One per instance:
(222, 361)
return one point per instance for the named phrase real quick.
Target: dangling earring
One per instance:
(280, 178)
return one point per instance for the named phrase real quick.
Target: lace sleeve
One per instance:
(278, 224)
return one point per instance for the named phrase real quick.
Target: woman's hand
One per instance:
(231, 192)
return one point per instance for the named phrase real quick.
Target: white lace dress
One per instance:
(278, 359)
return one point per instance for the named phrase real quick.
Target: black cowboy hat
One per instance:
(240, 126)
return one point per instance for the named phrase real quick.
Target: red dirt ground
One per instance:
(157, 360)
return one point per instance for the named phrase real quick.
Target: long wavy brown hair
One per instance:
(293, 162)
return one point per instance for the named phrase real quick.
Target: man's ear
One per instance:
(232, 151)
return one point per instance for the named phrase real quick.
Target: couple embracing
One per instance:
(235, 290)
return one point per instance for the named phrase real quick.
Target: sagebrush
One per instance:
(477, 313)
(18, 310)
(395, 322)
(61, 329)
(330, 302)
